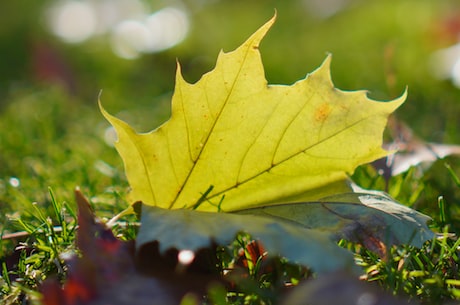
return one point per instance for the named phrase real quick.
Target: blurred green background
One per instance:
(57, 56)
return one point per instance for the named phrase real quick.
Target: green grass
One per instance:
(50, 145)
(62, 149)
(52, 142)
(45, 240)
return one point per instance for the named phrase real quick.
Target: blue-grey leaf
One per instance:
(193, 230)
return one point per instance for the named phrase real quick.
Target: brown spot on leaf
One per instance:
(322, 112)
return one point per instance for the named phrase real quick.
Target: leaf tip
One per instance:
(327, 62)
(397, 102)
(403, 96)
(110, 118)
(101, 108)
(324, 70)
(275, 15)
(257, 37)
(179, 76)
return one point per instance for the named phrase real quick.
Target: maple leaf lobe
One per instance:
(255, 143)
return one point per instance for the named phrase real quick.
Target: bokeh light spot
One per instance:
(14, 182)
(167, 27)
(131, 28)
(186, 257)
(130, 38)
(159, 31)
(73, 21)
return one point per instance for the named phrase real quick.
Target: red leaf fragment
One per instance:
(104, 260)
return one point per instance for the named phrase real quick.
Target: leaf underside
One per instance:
(193, 230)
(353, 216)
(305, 233)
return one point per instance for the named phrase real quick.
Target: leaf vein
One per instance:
(230, 92)
(288, 158)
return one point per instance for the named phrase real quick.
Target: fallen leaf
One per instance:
(236, 144)
(355, 217)
(410, 151)
(305, 233)
(193, 230)
(108, 272)
(233, 136)
(421, 154)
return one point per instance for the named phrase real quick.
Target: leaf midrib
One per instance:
(195, 162)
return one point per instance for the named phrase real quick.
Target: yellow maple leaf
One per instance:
(233, 136)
